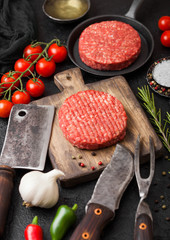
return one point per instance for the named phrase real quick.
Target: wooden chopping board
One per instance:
(66, 157)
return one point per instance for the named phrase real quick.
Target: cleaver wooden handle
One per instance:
(90, 228)
(6, 187)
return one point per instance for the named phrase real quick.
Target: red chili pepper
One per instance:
(33, 231)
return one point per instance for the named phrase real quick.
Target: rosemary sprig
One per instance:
(156, 119)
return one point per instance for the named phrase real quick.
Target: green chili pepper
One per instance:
(65, 217)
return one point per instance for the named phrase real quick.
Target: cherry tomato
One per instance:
(21, 65)
(59, 53)
(5, 108)
(29, 50)
(45, 68)
(164, 23)
(165, 38)
(8, 78)
(35, 87)
(19, 97)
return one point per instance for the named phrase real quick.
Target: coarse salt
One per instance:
(161, 73)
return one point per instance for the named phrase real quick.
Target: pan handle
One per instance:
(134, 8)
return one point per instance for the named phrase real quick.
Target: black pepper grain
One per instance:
(156, 201)
(93, 154)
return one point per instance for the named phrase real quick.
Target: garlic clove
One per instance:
(40, 189)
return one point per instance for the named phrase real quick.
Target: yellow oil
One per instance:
(66, 9)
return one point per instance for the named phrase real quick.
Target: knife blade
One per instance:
(106, 195)
(25, 146)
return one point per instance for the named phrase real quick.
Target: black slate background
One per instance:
(122, 226)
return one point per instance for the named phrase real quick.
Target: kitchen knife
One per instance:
(106, 196)
(25, 146)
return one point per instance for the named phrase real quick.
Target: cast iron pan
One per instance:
(147, 42)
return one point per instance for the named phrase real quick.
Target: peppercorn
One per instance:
(162, 197)
(65, 217)
(156, 201)
(100, 163)
(167, 218)
(73, 157)
(93, 168)
(163, 173)
(81, 164)
(79, 156)
(93, 154)
(164, 206)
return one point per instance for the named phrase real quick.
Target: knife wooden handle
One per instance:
(91, 226)
(143, 228)
(6, 187)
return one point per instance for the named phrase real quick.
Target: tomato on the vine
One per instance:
(21, 97)
(45, 67)
(32, 50)
(165, 38)
(21, 65)
(5, 108)
(35, 87)
(164, 23)
(8, 79)
(59, 53)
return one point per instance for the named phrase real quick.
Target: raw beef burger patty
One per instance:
(109, 45)
(92, 119)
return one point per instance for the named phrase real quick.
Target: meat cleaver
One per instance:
(25, 146)
(106, 195)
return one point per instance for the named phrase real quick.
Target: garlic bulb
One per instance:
(40, 189)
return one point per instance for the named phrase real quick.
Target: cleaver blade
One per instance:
(25, 146)
(27, 136)
(106, 195)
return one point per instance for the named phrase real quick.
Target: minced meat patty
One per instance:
(109, 45)
(92, 119)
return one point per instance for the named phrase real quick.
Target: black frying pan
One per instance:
(147, 42)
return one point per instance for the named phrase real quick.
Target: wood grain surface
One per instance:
(66, 157)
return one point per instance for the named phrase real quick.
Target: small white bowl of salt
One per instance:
(158, 76)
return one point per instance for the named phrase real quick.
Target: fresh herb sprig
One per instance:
(156, 119)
